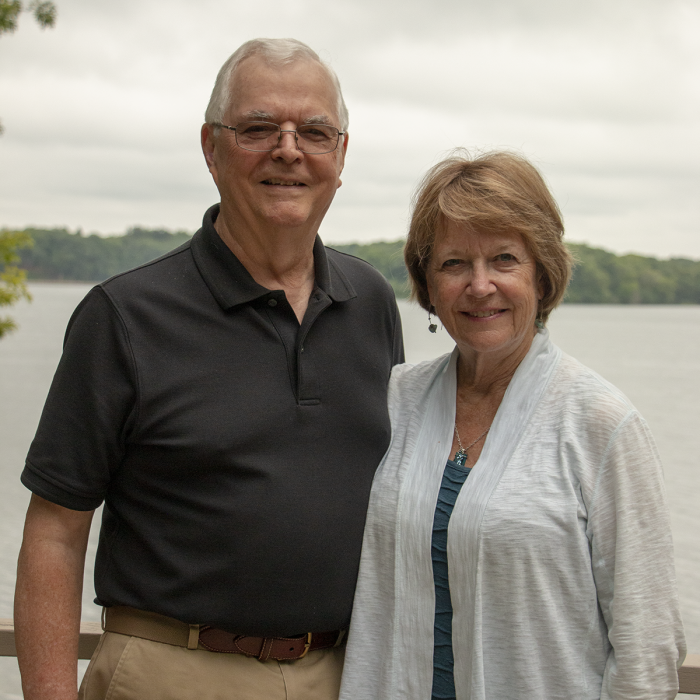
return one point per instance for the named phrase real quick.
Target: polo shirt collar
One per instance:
(231, 284)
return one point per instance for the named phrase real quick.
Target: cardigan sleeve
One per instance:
(632, 560)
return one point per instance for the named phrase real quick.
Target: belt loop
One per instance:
(341, 636)
(103, 617)
(265, 649)
(193, 639)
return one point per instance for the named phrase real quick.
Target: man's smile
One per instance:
(284, 183)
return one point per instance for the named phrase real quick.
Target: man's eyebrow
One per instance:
(257, 115)
(318, 119)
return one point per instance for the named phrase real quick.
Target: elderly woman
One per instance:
(517, 544)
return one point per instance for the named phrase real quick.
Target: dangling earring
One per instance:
(431, 327)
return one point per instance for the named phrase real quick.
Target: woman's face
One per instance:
(484, 289)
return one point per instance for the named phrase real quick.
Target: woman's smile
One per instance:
(484, 289)
(478, 315)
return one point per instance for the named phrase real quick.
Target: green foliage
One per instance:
(387, 257)
(9, 11)
(600, 277)
(44, 13)
(12, 279)
(60, 255)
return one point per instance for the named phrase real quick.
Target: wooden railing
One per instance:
(90, 633)
(688, 675)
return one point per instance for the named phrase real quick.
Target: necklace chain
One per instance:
(461, 454)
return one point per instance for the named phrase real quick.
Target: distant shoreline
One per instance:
(90, 283)
(600, 277)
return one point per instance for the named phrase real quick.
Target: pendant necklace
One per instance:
(461, 455)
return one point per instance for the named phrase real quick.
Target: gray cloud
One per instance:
(102, 114)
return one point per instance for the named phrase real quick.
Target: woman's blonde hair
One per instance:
(493, 193)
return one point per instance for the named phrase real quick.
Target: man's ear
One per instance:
(343, 150)
(208, 146)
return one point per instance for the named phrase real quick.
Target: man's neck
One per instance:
(276, 258)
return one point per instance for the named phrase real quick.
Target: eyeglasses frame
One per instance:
(282, 131)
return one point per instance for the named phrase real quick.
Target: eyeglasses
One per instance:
(265, 136)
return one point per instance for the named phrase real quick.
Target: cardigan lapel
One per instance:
(524, 392)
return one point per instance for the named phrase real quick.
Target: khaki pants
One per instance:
(131, 668)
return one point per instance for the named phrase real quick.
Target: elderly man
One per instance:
(227, 403)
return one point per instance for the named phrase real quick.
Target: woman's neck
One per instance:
(482, 380)
(486, 373)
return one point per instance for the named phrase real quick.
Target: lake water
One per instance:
(650, 352)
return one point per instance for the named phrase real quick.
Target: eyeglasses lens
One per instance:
(264, 136)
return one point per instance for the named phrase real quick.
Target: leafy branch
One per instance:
(13, 285)
(44, 13)
(12, 278)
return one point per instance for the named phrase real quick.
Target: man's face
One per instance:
(283, 187)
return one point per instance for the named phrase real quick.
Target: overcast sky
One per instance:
(102, 113)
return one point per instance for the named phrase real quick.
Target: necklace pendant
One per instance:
(460, 457)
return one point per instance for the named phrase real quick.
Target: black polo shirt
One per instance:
(233, 448)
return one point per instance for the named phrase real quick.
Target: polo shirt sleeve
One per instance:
(91, 406)
(398, 350)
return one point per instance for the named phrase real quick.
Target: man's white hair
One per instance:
(276, 52)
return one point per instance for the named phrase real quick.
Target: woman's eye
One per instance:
(451, 262)
(505, 257)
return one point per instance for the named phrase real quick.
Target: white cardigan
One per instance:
(559, 546)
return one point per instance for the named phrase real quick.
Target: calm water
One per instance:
(650, 352)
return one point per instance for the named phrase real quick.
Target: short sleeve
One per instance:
(89, 411)
(398, 350)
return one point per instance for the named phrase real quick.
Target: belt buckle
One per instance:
(307, 645)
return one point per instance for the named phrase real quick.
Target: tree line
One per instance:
(58, 254)
(600, 277)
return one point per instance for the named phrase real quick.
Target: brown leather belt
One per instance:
(167, 630)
